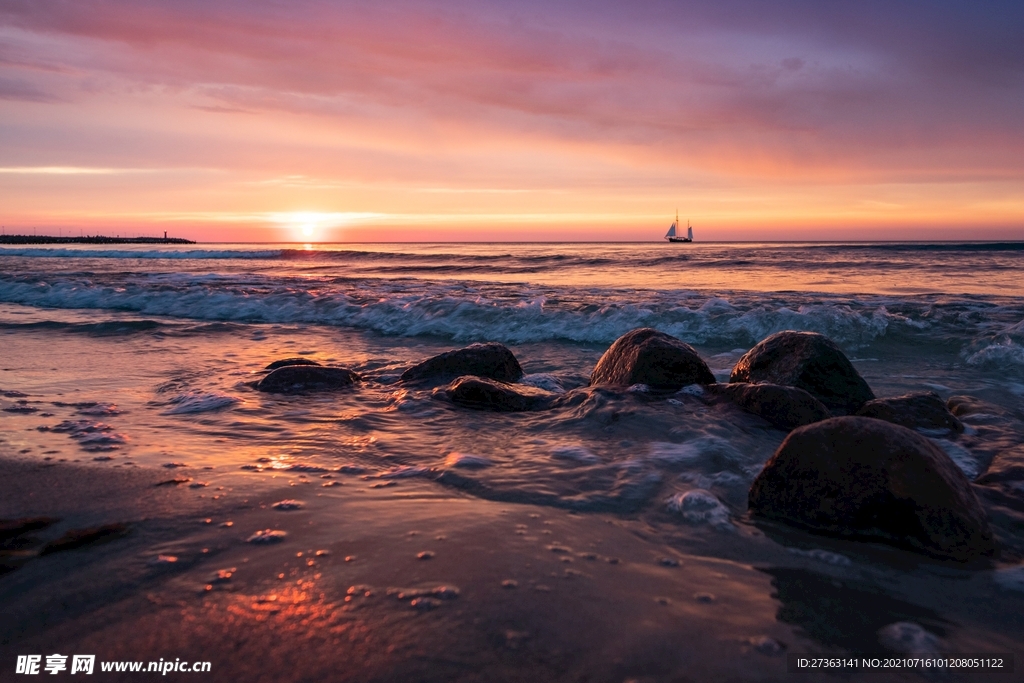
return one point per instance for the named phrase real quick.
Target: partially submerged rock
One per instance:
(784, 407)
(914, 411)
(1006, 468)
(962, 406)
(858, 477)
(486, 394)
(646, 356)
(77, 538)
(490, 360)
(290, 361)
(300, 379)
(808, 361)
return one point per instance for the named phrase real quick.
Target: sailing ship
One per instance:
(671, 235)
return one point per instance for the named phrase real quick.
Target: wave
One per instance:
(465, 313)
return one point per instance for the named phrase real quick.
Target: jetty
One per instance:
(90, 239)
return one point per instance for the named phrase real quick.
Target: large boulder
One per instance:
(646, 356)
(808, 361)
(858, 477)
(486, 394)
(914, 411)
(491, 360)
(301, 379)
(784, 407)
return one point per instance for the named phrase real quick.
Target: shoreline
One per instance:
(508, 592)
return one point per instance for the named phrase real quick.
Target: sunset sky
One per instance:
(236, 120)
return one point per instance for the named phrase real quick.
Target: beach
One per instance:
(424, 539)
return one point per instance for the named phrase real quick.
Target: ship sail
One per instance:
(689, 233)
(671, 231)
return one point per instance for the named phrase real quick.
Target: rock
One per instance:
(914, 411)
(962, 406)
(490, 360)
(76, 538)
(858, 477)
(298, 379)
(646, 356)
(290, 361)
(808, 361)
(486, 394)
(1006, 468)
(785, 407)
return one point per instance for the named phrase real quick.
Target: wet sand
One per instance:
(505, 592)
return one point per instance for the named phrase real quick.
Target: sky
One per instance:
(490, 120)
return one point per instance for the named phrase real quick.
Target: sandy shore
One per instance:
(506, 592)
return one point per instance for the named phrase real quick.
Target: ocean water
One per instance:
(143, 357)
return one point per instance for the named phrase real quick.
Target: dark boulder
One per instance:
(808, 361)
(914, 411)
(490, 360)
(858, 477)
(784, 407)
(290, 361)
(646, 356)
(486, 394)
(300, 379)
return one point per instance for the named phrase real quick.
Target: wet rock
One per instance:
(857, 477)
(486, 394)
(1007, 468)
(646, 356)
(267, 537)
(784, 407)
(77, 538)
(962, 406)
(808, 361)
(290, 361)
(490, 360)
(914, 411)
(299, 379)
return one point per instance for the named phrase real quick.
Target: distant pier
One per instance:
(90, 239)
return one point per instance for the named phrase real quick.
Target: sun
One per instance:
(307, 230)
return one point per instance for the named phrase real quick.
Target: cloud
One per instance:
(19, 89)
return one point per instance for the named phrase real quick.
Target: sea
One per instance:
(565, 538)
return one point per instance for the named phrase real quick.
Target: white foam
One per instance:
(201, 402)
(544, 381)
(517, 314)
(698, 506)
(909, 638)
(1000, 355)
(692, 390)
